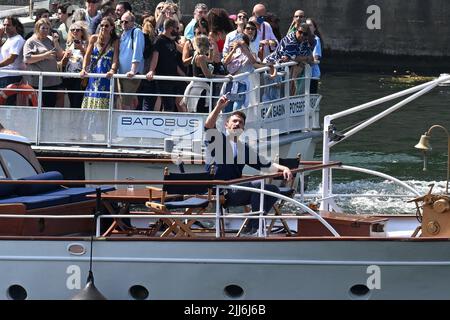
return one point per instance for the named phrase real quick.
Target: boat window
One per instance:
(16, 164)
(2, 172)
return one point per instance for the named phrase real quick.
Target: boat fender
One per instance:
(12, 90)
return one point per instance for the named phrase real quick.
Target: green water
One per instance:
(387, 145)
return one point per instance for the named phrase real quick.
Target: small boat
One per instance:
(323, 253)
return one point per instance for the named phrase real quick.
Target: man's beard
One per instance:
(235, 133)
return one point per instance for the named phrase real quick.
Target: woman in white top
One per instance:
(72, 61)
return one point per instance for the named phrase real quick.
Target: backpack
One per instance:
(147, 44)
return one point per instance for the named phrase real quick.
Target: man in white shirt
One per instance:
(11, 51)
(268, 41)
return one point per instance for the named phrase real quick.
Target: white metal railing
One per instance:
(102, 127)
(415, 92)
(218, 214)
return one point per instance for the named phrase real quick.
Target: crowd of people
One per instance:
(109, 38)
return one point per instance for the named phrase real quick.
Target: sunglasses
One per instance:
(75, 30)
(250, 28)
(242, 17)
(124, 21)
(104, 26)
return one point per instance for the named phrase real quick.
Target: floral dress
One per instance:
(93, 97)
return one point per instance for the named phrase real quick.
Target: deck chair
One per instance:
(195, 200)
(286, 189)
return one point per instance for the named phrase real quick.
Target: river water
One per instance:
(387, 145)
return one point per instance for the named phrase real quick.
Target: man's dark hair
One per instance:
(203, 23)
(106, 11)
(126, 5)
(239, 114)
(106, 3)
(63, 7)
(170, 23)
(17, 24)
(243, 12)
(39, 12)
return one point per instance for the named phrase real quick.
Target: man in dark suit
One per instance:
(229, 156)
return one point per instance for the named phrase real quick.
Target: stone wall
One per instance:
(408, 27)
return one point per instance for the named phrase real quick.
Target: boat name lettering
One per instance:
(297, 106)
(159, 122)
(273, 112)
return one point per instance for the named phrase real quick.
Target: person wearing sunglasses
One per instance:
(296, 46)
(72, 61)
(268, 41)
(235, 35)
(102, 56)
(131, 61)
(297, 20)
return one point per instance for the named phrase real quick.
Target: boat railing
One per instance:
(114, 127)
(331, 137)
(218, 185)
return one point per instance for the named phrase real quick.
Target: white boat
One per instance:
(332, 255)
(70, 134)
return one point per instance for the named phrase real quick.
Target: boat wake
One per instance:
(373, 197)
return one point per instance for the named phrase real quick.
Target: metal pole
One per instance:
(307, 110)
(217, 212)
(325, 160)
(39, 109)
(262, 225)
(110, 111)
(448, 150)
(30, 13)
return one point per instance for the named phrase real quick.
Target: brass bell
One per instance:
(424, 143)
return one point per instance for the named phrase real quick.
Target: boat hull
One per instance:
(204, 269)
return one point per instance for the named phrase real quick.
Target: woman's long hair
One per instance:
(201, 44)
(84, 33)
(316, 32)
(218, 21)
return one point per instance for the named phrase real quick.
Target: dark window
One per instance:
(16, 164)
